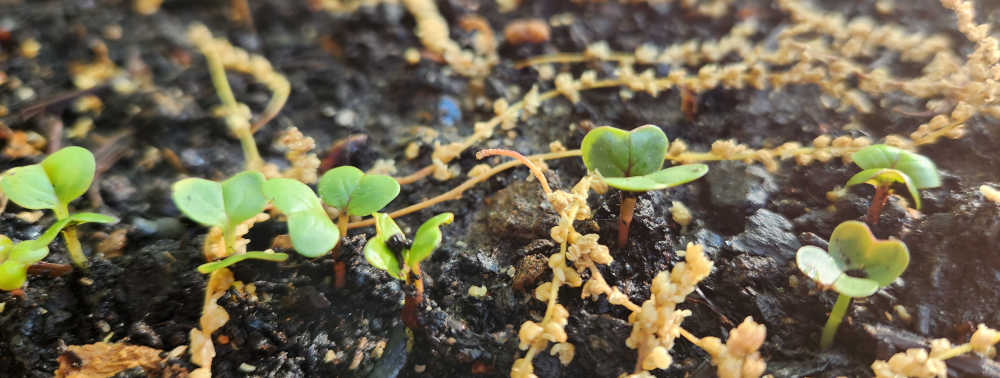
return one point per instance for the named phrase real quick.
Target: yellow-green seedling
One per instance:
(857, 266)
(884, 165)
(53, 184)
(631, 162)
(353, 192)
(310, 228)
(224, 205)
(15, 258)
(268, 255)
(390, 251)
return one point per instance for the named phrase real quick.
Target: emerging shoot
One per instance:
(390, 251)
(631, 161)
(883, 165)
(352, 192)
(53, 184)
(852, 248)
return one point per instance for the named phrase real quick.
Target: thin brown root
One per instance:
(516, 155)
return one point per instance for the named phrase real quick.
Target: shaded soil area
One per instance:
(349, 77)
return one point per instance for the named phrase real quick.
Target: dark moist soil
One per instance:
(348, 77)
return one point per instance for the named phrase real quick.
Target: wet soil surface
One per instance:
(349, 77)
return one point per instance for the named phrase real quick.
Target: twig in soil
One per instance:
(112, 149)
(49, 269)
(711, 306)
(56, 100)
(175, 161)
(54, 129)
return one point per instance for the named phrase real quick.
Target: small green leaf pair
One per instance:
(852, 248)
(237, 199)
(16, 258)
(389, 247)
(883, 165)
(631, 161)
(52, 184)
(353, 192)
(224, 205)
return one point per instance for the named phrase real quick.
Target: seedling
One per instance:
(857, 266)
(311, 230)
(224, 205)
(631, 161)
(16, 258)
(390, 251)
(353, 192)
(53, 184)
(883, 165)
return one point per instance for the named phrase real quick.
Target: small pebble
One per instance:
(477, 291)
(346, 117)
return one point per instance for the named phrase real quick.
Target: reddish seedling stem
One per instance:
(878, 202)
(418, 284)
(339, 274)
(412, 304)
(339, 269)
(625, 219)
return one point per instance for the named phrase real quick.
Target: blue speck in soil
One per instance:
(448, 111)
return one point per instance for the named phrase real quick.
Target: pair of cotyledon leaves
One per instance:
(883, 165)
(233, 201)
(854, 248)
(384, 253)
(631, 160)
(52, 184)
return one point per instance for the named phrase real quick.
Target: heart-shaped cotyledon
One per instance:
(630, 161)
(853, 248)
(857, 266)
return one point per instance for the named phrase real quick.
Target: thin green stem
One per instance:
(250, 154)
(240, 128)
(69, 235)
(832, 323)
(218, 72)
(229, 238)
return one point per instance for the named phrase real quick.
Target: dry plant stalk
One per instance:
(304, 164)
(221, 55)
(918, 363)
(432, 29)
(213, 317)
(655, 324)
(107, 359)
(214, 246)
